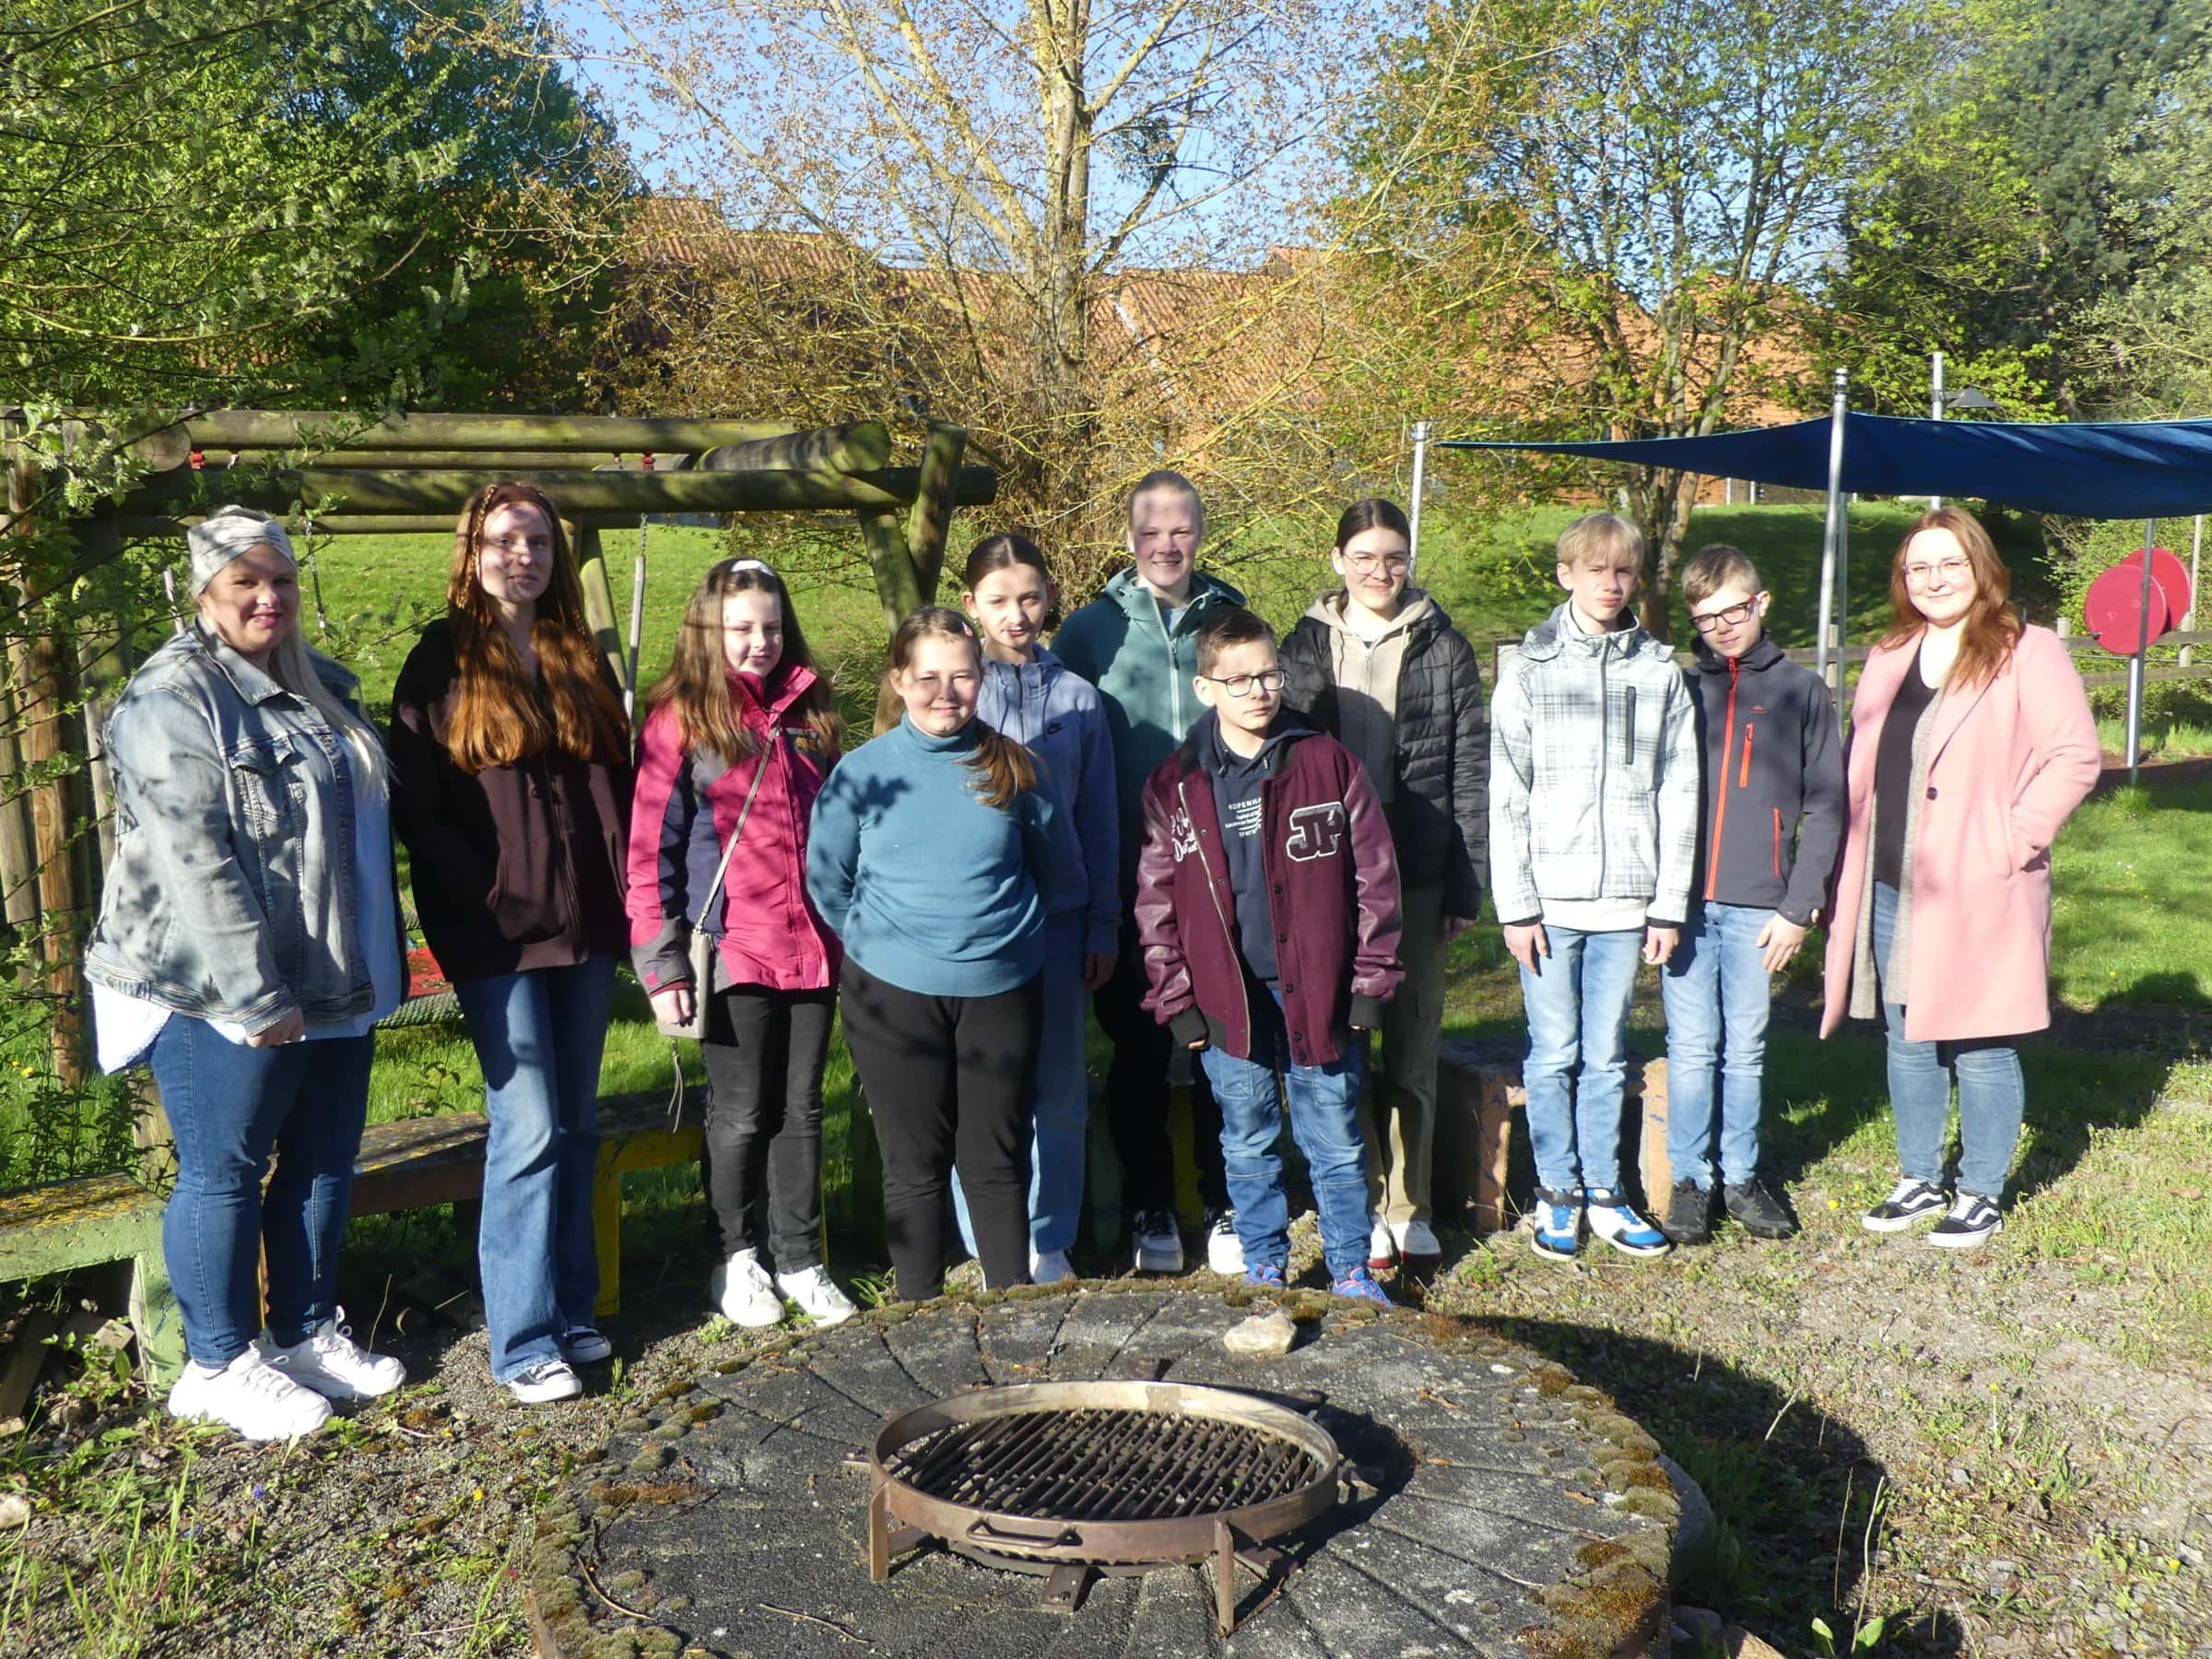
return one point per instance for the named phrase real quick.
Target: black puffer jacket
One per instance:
(1440, 810)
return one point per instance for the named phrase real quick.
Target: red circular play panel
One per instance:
(2113, 607)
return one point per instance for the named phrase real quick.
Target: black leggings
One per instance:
(764, 1051)
(1147, 1062)
(947, 1079)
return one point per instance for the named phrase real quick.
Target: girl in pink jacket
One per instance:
(1972, 741)
(738, 736)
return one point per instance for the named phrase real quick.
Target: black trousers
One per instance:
(764, 1051)
(947, 1081)
(1145, 1064)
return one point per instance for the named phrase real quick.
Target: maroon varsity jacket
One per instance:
(1332, 889)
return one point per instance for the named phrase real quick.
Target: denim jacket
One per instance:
(232, 894)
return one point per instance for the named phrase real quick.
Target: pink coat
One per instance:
(2007, 762)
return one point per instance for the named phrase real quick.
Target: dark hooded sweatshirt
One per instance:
(1772, 824)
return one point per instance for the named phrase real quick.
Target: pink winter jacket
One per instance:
(2007, 761)
(685, 807)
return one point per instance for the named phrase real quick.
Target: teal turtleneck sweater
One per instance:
(929, 889)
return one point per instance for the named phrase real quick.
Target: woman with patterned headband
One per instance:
(512, 785)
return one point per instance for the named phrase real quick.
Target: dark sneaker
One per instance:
(1972, 1221)
(1689, 1218)
(1265, 1276)
(1910, 1200)
(1756, 1210)
(1358, 1285)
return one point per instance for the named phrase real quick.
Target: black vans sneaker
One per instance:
(1689, 1218)
(1910, 1200)
(1756, 1211)
(1972, 1219)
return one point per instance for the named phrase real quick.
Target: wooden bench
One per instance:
(1479, 1089)
(402, 1166)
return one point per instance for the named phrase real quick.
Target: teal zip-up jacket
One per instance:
(1143, 672)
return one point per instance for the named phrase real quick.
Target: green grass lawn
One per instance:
(2125, 928)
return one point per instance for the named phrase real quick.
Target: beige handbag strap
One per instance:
(737, 833)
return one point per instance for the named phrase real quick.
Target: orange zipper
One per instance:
(1777, 842)
(1743, 778)
(1719, 811)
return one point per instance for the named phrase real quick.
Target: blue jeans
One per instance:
(538, 1036)
(1577, 1004)
(1325, 1119)
(229, 1106)
(1715, 990)
(1061, 1100)
(1993, 1097)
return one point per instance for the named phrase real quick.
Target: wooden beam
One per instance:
(609, 434)
(576, 492)
(856, 446)
(883, 534)
(599, 600)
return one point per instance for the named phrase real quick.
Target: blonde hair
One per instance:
(1003, 767)
(1712, 568)
(292, 665)
(1600, 538)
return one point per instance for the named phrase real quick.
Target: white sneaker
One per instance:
(547, 1381)
(741, 1293)
(335, 1366)
(1416, 1241)
(818, 1295)
(252, 1394)
(585, 1344)
(1224, 1250)
(1052, 1267)
(1159, 1241)
(1382, 1249)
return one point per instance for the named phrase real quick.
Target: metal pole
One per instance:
(1934, 405)
(637, 622)
(2196, 549)
(2136, 662)
(1420, 471)
(1832, 538)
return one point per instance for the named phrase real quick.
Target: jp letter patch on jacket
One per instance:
(1315, 831)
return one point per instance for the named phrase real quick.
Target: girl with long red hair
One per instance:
(739, 735)
(511, 784)
(1971, 742)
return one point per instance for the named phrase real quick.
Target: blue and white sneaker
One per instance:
(1265, 1276)
(1558, 1233)
(1358, 1285)
(1619, 1226)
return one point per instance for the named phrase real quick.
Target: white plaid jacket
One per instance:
(1593, 773)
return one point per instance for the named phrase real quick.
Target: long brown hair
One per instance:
(1991, 630)
(1003, 768)
(498, 716)
(698, 681)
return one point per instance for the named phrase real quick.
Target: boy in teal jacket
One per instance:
(1137, 643)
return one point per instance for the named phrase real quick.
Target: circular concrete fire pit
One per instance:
(1491, 1503)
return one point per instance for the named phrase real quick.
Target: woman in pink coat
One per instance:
(1971, 742)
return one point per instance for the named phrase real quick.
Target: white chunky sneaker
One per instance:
(1159, 1241)
(1417, 1243)
(1224, 1250)
(585, 1344)
(1382, 1249)
(547, 1381)
(335, 1366)
(1052, 1267)
(742, 1293)
(818, 1295)
(252, 1394)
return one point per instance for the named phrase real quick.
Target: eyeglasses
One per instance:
(1950, 570)
(1712, 621)
(1367, 564)
(1242, 685)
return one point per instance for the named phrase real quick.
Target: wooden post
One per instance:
(42, 677)
(19, 870)
(930, 518)
(897, 585)
(103, 664)
(153, 1302)
(598, 597)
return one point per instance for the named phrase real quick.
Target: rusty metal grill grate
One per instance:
(1105, 1465)
(1071, 1478)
